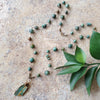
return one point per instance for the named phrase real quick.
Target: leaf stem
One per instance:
(93, 64)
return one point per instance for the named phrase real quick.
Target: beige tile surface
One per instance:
(16, 17)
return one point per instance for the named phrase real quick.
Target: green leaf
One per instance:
(98, 77)
(76, 76)
(22, 90)
(80, 55)
(69, 57)
(69, 64)
(95, 45)
(69, 70)
(89, 78)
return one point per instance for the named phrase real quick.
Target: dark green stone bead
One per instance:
(89, 24)
(67, 5)
(35, 52)
(38, 75)
(44, 26)
(88, 36)
(32, 46)
(70, 46)
(31, 31)
(54, 16)
(48, 51)
(49, 65)
(49, 21)
(47, 72)
(59, 5)
(36, 27)
(81, 37)
(77, 28)
(55, 49)
(66, 12)
(82, 25)
(63, 2)
(62, 17)
(32, 60)
(60, 24)
(72, 33)
(29, 69)
(75, 41)
(47, 56)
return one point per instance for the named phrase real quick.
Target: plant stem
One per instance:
(93, 64)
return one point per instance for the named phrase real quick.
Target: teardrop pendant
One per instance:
(22, 89)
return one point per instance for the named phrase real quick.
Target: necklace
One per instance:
(23, 88)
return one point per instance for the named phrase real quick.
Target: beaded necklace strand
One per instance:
(23, 88)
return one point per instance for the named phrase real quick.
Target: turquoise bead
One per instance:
(72, 33)
(49, 21)
(82, 25)
(63, 2)
(29, 69)
(59, 5)
(77, 28)
(36, 27)
(62, 17)
(89, 24)
(44, 26)
(67, 5)
(32, 60)
(49, 65)
(38, 75)
(75, 41)
(81, 37)
(35, 52)
(60, 24)
(48, 51)
(88, 36)
(54, 16)
(66, 12)
(47, 56)
(70, 46)
(31, 31)
(55, 49)
(47, 72)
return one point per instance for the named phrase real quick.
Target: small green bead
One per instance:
(60, 24)
(31, 31)
(67, 5)
(54, 16)
(82, 25)
(55, 49)
(38, 75)
(88, 36)
(89, 24)
(75, 41)
(32, 60)
(35, 52)
(81, 37)
(72, 33)
(77, 28)
(59, 5)
(36, 27)
(48, 51)
(32, 46)
(47, 72)
(49, 21)
(29, 69)
(63, 2)
(66, 12)
(44, 26)
(70, 46)
(62, 17)
(49, 65)
(47, 56)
